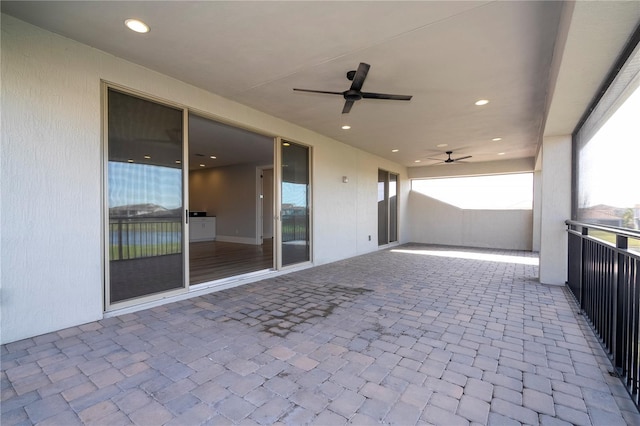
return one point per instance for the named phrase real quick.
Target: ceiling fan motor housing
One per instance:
(352, 95)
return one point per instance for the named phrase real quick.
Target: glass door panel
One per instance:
(387, 207)
(145, 197)
(393, 207)
(294, 208)
(383, 207)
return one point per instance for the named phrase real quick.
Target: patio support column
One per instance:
(555, 208)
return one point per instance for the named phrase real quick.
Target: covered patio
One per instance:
(416, 334)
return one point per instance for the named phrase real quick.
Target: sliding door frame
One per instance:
(391, 221)
(107, 305)
(277, 179)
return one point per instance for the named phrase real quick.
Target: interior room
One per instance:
(230, 201)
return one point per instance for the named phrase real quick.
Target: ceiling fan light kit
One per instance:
(355, 93)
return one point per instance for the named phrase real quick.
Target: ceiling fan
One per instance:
(449, 159)
(354, 93)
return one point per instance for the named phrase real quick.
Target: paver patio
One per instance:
(413, 335)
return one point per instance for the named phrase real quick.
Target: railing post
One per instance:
(622, 242)
(119, 239)
(584, 231)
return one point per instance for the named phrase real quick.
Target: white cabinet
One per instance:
(202, 228)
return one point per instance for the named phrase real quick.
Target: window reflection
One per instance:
(295, 204)
(145, 235)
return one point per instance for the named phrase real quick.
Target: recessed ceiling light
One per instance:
(213, 157)
(346, 127)
(482, 102)
(496, 139)
(395, 150)
(130, 160)
(137, 26)
(417, 161)
(147, 157)
(501, 153)
(286, 144)
(202, 165)
(442, 145)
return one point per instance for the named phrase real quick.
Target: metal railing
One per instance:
(295, 227)
(133, 238)
(604, 277)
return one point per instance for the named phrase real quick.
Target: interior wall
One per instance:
(434, 222)
(52, 240)
(229, 194)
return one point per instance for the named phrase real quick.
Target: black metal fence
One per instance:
(133, 238)
(604, 277)
(295, 227)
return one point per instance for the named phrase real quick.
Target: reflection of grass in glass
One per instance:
(294, 228)
(131, 240)
(634, 244)
(135, 251)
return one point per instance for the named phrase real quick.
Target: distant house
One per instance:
(603, 214)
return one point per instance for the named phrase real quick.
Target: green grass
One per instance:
(634, 243)
(134, 251)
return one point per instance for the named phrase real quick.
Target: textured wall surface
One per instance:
(555, 209)
(434, 222)
(51, 199)
(51, 211)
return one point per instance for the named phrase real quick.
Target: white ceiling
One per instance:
(447, 54)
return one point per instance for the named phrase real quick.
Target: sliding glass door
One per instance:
(148, 188)
(145, 236)
(294, 209)
(387, 207)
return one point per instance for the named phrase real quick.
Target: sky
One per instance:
(499, 192)
(131, 183)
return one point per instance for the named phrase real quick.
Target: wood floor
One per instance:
(214, 260)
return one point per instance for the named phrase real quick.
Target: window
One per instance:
(144, 198)
(607, 149)
(498, 192)
(295, 207)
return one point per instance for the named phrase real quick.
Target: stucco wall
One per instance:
(51, 174)
(434, 222)
(555, 202)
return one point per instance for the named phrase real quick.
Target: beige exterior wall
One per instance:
(52, 189)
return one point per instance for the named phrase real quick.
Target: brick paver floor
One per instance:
(414, 335)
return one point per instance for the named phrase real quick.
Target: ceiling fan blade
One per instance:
(462, 158)
(347, 107)
(319, 91)
(369, 95)
(361, 74)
